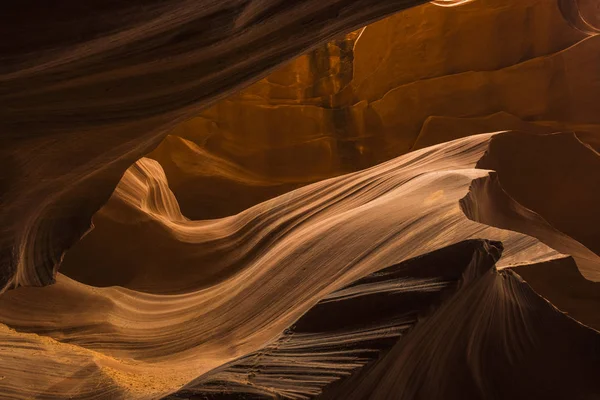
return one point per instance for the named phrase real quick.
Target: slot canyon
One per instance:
(300, 199)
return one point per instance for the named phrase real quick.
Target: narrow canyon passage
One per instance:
(267, 199)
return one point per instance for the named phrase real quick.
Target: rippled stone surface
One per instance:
(408, 210)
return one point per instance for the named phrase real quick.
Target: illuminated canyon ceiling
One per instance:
(307, 199)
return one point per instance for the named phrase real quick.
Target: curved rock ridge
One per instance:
(224, 289)
(91, 93)
(488, 203)
(135, 246)
(396, 333)
(556, 175)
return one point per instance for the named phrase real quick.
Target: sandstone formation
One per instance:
(85, 94)
(231, 286)
(271, 199)
(407, 348)
(371, 95)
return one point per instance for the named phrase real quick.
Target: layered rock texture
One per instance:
(84, 94)
(350, 284)
(407, 210)
(421, 77)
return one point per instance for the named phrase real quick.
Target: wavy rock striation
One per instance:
(118, 250)
(199, 301)
(493, 335)
(90, 93)
(395, 333)
(398, 281)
